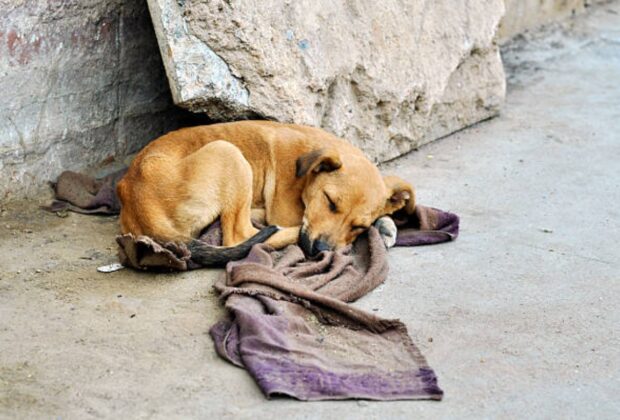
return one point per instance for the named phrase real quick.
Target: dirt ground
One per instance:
(519, 317)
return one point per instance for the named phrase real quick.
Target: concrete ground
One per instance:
(519, 317)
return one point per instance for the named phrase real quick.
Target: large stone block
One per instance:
(81, 80)
(388, 76)
(522, 15)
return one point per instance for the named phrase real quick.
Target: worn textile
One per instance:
(290, 323)
(292, 329)
(84, 194)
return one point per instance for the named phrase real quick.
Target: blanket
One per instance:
(290, 321)
(84, 194)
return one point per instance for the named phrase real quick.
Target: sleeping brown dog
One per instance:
(320, 190)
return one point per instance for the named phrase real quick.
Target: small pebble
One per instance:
(110, 268)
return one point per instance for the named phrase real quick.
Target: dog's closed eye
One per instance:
(332, 206)
(358, 228)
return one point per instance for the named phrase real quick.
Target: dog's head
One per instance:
(343, 196)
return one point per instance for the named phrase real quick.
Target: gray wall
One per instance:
(81, 80)
(522, 15)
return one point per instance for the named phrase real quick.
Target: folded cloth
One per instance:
(291, 328)
(289, 322)
(426, 226)
(84, 194)
(144, 253)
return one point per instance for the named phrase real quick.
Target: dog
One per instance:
(308, 185)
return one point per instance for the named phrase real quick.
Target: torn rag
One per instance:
(290, 323)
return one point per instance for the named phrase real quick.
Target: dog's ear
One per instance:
(400, 195)
(321, 160)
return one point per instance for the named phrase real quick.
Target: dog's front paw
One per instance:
(387, 229)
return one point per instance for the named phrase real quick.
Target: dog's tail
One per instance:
(210, 255)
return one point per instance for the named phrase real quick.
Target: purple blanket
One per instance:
(291, 327)
(290, 323)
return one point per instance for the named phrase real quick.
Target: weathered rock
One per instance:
(388, 76)
(81, 80)
(522, 15)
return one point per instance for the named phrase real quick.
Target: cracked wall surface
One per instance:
(522, 15)
(388, 76)
(82, 81)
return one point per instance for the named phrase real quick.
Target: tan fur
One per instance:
(186, 179)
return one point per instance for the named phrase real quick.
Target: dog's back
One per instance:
(174, 187)
(298, 175)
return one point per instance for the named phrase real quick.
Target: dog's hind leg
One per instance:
(237, 220)
(219, 183)
(236, 215)
(259, 216)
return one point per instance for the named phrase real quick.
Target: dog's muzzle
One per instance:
(310, 247)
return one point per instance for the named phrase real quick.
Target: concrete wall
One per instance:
(522, 15)
(81, 80)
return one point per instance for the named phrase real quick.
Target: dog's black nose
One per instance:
(319, 246)
(305, 242)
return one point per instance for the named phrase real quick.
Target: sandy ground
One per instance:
(519, 317)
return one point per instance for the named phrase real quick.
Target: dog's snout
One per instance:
(319, 246)
(305, 242)
(312, 247)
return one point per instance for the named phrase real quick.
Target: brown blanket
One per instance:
(290, 324)
(292, 329)
(84, 194)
